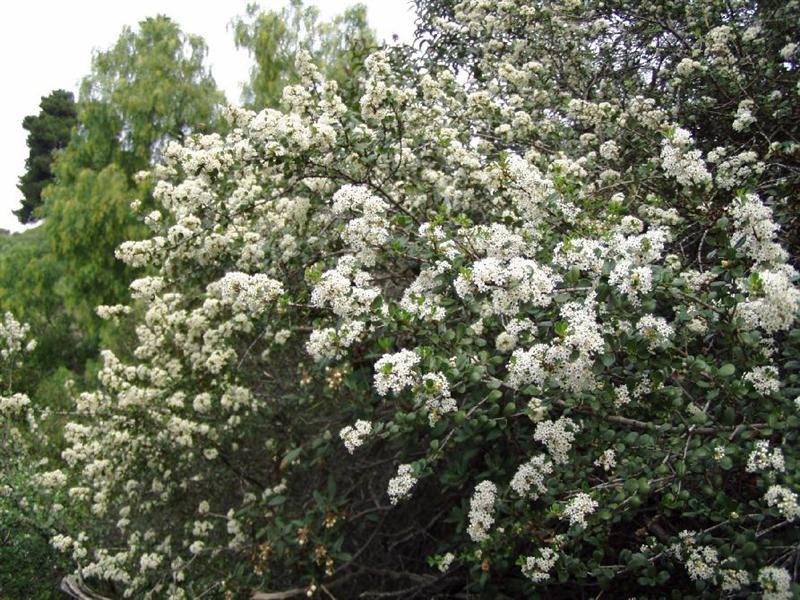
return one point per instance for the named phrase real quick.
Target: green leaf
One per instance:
(726, 370)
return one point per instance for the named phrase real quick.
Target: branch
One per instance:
(293, 592)
(74, 587)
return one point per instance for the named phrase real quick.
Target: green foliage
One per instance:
(47, 132)
(87, 220)
(512, 324)
(30, 276)
(274, 38)
(29, 566)
(506, 319)
(149, 88)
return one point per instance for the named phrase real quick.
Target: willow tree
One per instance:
(151, 87)
(274, 38)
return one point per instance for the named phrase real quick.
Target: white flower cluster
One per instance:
(761, 459)
(532, 191)
(733, 171)
(364, 233)
(354, 436)
(537, 569)
(773, 300)
(764, 379)
(655, 330)
(686, 166)
(622, 395)
(109, 312)
(635, 254)
(744, 115)
(250, 294)
(557, 436)
(481, 511)
(51, 479)
(701, 562)
(499, 241)
(13, 404)
(569, 358)
(395, 372)
(446, 561)
(529, 479)
(511, 284)
(145, 288)
(420, 300)
(400, 486)
(787, 52)
(438, 401)
(578, 508)
(776, 583)
(12, 337)
(536, 409)
(732, 580)
(607, 460)
(718, 49)
(755, 230)
(609, 150)
(330, 342)
(584, 254)
(150, 561)
(785, 499)
(345, 289)
(527, 366)
(687, 66)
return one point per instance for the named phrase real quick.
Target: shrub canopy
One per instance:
(522, 323)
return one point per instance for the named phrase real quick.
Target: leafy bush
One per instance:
(29, 565)
(486, 335)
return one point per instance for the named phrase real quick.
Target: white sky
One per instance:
(47, 44)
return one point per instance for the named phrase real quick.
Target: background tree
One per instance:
(29, 287)
(274, 38)
(151, 87)
(48, 131)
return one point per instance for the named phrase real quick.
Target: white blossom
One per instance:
(400, 486)
(395, 372)
(578, 508)
(557, 436)
(481, 511)
(529, 480)
(761, 459)
(537, 568)
(785, 500)
(354, 436)
(775, 583)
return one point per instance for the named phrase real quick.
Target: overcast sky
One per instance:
(47, 44)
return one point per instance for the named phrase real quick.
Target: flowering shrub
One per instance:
(32, 492)
(542, 342)
(15, 408)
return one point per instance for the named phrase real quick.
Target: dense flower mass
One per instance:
(481, 511)
(524, 317)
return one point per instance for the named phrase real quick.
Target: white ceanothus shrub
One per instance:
(475, 317)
